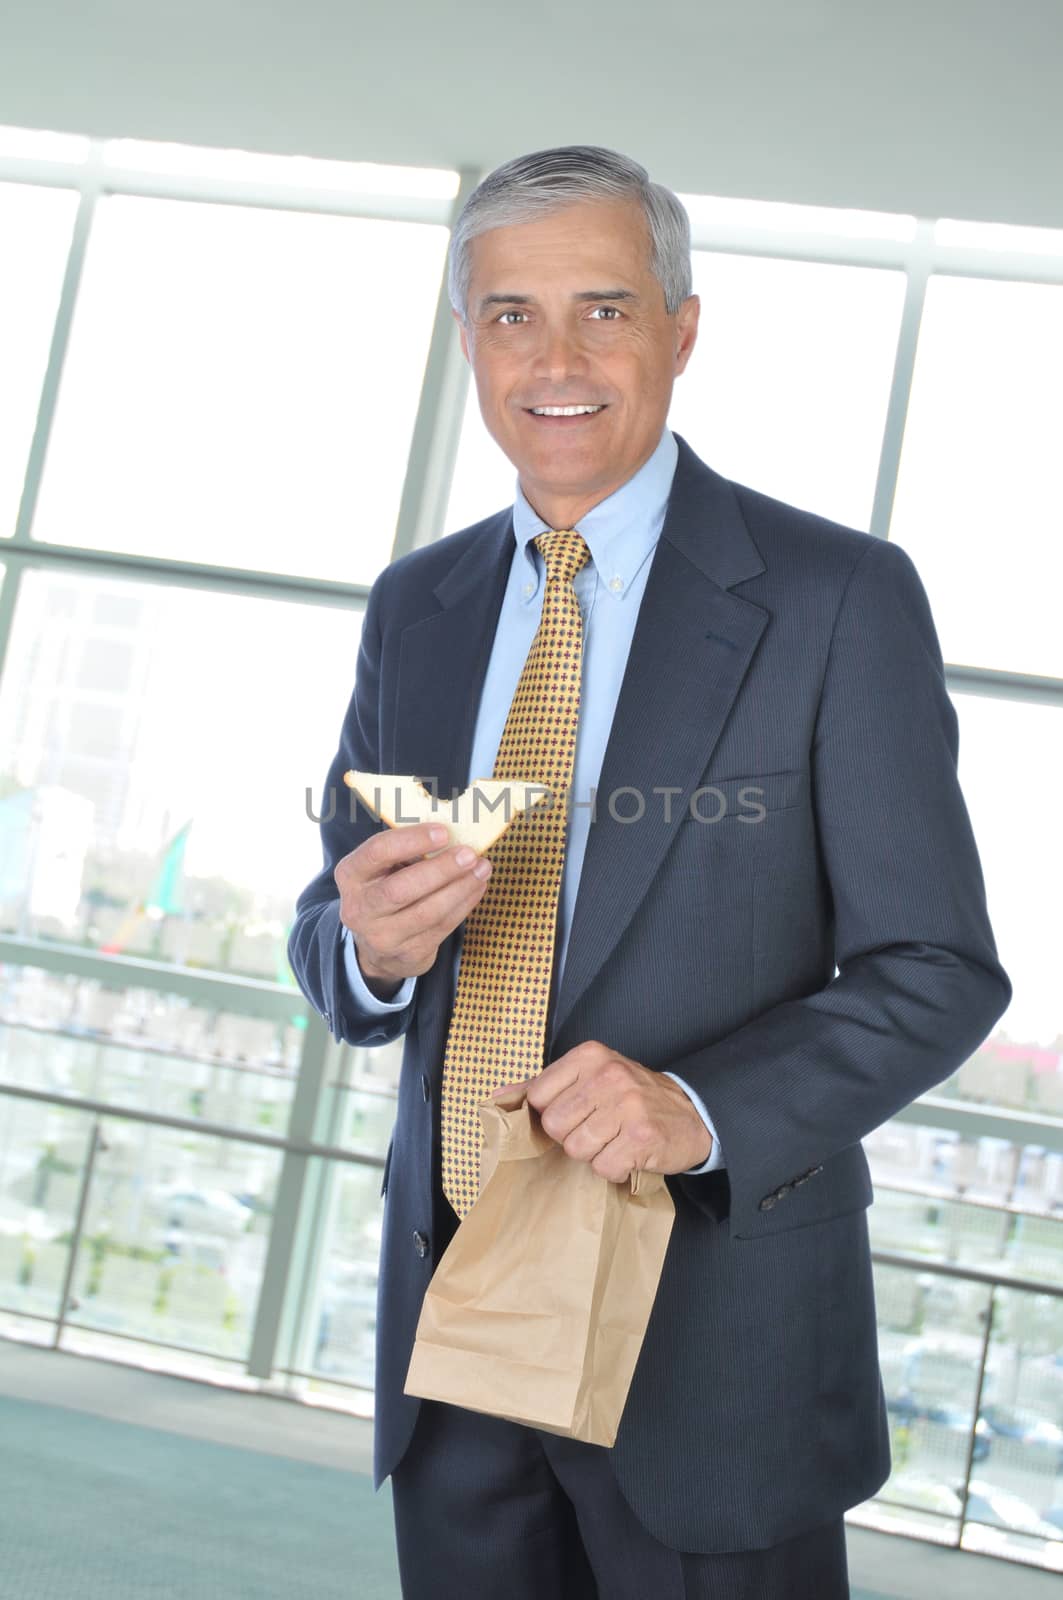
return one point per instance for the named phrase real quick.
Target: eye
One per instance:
(509, 314)
(608, 308)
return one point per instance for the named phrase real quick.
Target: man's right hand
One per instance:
(399, 906)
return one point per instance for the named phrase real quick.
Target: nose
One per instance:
(559, 356)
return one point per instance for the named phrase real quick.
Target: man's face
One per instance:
(565, 311)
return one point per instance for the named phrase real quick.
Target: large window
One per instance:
(978, 505)
(790, 378)
(1011, 767)
(220, 405)
(240, 386)
(41, 220)
(163, 766)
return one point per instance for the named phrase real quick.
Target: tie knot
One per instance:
(564, 551)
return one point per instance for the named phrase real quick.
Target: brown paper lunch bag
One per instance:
(539, 1305)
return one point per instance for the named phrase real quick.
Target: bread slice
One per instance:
(476, 817)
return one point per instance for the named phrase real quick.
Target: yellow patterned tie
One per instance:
(498, 1026)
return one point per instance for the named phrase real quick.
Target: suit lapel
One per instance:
(692, 645)
(443, 662)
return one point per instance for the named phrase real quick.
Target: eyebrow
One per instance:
(581, 294)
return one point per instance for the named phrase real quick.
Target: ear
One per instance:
(463, 333)
(686, 327)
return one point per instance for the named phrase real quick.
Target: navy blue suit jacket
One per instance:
(808, 973)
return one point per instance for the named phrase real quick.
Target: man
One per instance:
(756, 695)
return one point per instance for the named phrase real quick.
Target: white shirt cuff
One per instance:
(364, 998)
(715, 1154)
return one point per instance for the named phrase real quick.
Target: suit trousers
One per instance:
(490, 1510)
(494, 1510)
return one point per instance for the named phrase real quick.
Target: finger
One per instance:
(581, 1128)
(406, 885)
(590, 1136)
(433, 915)
(614, 1162)
(565, 1072)
(510, 1095)
(571, 1108)
(395, 847)
(601, 1141)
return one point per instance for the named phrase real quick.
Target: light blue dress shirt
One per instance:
(621, 533)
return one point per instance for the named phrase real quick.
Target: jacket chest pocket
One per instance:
(747, 802)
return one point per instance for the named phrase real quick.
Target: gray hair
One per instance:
(547, 180)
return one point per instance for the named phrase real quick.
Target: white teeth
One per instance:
(565, 411)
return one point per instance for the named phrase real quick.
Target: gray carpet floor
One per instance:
(93, 1509)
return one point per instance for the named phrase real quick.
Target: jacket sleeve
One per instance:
(918, 984)
(316, 948)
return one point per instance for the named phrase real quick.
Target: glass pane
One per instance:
(232, 393)
(977, 503)
(1011, 768)
(999, 236)
(175, 1238)
(485, 480)
(165, 752)
(42, 1157)
(782, 216)
(1015, 1507)
(304, 172)
(789, 381)
(367, 1113)
(339, 1339)
(36, 225)
(958, 1231)
(147, 1051)
(38, 144)
(930, 1336)
(945, 1165)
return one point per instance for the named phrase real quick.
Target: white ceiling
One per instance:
(942, 107)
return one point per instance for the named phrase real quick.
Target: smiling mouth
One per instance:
(564, 416)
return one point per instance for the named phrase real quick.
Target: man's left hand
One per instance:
(604, 1108)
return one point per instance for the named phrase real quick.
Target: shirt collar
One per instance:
(620, 530)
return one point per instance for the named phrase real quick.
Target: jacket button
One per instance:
(420, 1243)
(767, 1202)
(426, 1087)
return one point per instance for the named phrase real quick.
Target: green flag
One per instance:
(165, 893)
